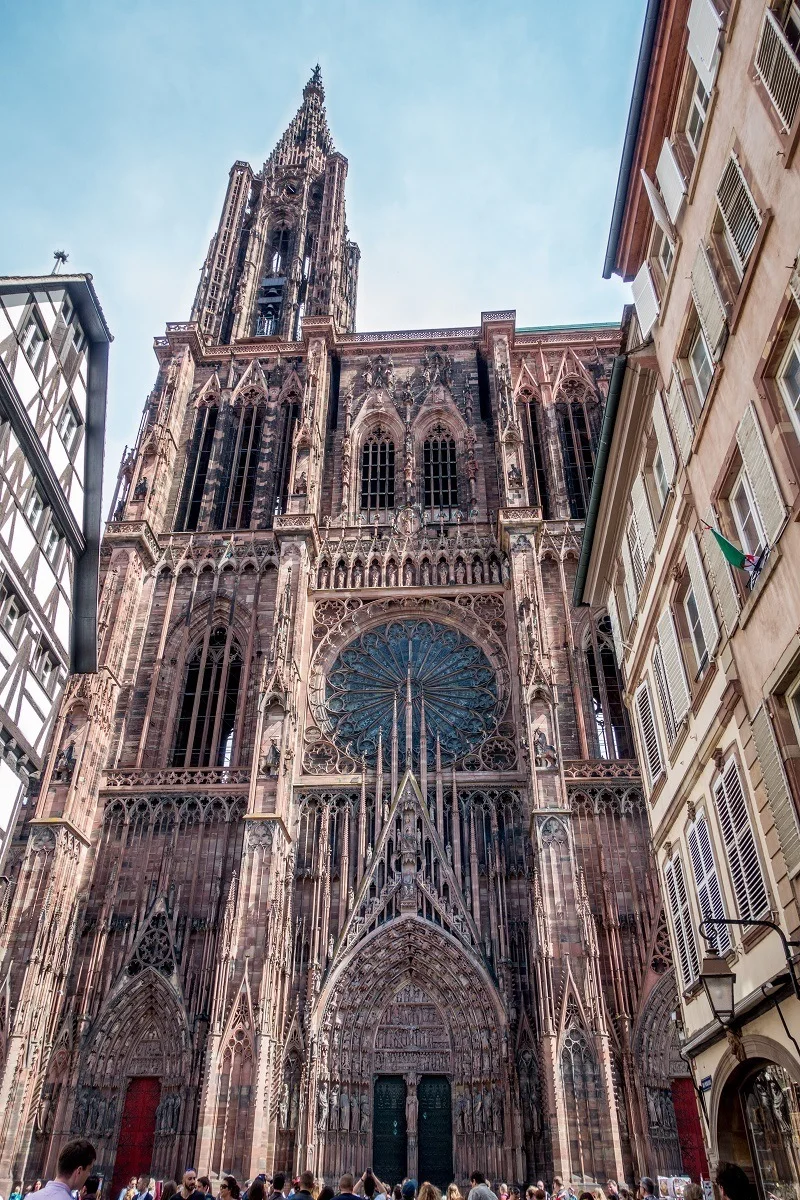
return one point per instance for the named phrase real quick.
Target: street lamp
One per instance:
(718, 983)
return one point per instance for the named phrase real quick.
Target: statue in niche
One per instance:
(65, 763)
(426, 573)
(477, 1111)
(364, 1112)
(477, 571)
(494, 569)
(392, 575)
(358, 576)
(544, 754)
(374, 576)
(324, 577)
(272, 759)
(340, 576)
(412, 1105)
(408, 574)
(333, 1122)
(344, 1124)
(514, 477)
(140, 491)
(442, 572)
(301, 484)
(283, 1108)
(497, 1112)
(461, 572)
(322, 1106)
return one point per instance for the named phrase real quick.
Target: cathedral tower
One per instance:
(348, 861)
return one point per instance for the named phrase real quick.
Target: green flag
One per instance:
(735, 556)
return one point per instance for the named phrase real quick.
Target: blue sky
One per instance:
(483, 139)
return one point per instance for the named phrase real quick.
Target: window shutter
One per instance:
(709, 303)
(738, 209)
(670, 724)
(679, 416)
(705, 608)
(636, 552)
(704, 23)
(660, 214)
(616, 631)
(673, 666)
(671, 181)
(760, 473)
(644, 522)
(777, 789)
(631, 590)
(681, 921)
(645, 299)
(648, 734)
(740, 844)
(663, 437)
(727, 595)
(709, 893)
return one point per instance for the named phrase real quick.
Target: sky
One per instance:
(483, 140)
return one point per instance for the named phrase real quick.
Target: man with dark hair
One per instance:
(189, 1189)
(646, 1188)
(732, 1182)
(278, 1184)
(75, 1164)
(480, 1189)
(143, 1188)
(91, 1188)
(306, 1189)
(203, 1183)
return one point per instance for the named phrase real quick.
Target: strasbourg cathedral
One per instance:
(342, 857)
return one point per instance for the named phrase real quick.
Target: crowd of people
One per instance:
(75, 1180)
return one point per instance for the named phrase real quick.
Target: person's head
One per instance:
(346, 1182)
(92, 1186)
(409, 1189)
(693, 1191)
(513, 1192)
(625, 1192)
(585, 1196)
(646, 1186)
(203, 1182)
(307, 1181)
(557, 1182)
(326, 1193)
(732, 1182)
(539, 1194)
(397, 1192)
(143, 1183)
(190, 1179)
(611, 1188)
(502, 1189)
(169, 1189)
(452, 1192)
(477, 1177)
(429, 1192)
(369, 1185)
(257, 1191)
(17, 1185)
(278, 1181)
(75, 1163)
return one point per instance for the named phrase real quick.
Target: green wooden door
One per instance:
(389, 1129)
(435, 1130)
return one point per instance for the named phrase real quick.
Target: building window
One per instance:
(12, 612)
(701, 365)
(67, 309)
(242, 482)
(664, 252)
(206, 724)
(664, 698)
(636, 552)
(739, 215)
(53, 541)
(660, 480)
(440, 475)
(752, 538)
(78, 337)
(687, 960)
(695, 627)
(777, 63)
(611, 725)
(33, 339)
(706, 881)
(34, 507)
(696, 117)
(197, 467)
(577, 444)
(647, 732)
(789, 380)
(740, 844)
(377, 473)
(68, 426)
(45, 667)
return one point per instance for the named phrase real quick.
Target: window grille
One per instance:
(377, 473)
(197, 468)
(778, 69)
(205, 730)
(441, 478)
(242, 482)
(578, 450)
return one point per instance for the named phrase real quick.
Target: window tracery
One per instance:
(377, 472)
(204, 734)
(194, 480)
(578, 412)
(440, 473)
(238, 498)
(608, 710)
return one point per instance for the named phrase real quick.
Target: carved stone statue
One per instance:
(140, 491)
(514, 477)
(272, 759)
(324, 577)
(322, 1106)
(283, 1107)
(358, 576)
(408, 574)
(412, 1106)
(477, 571)
(340, 576)
(333, 1118)
(494, 568)
(426, 573)
(461, 572)
(442, 572)
(374, 575)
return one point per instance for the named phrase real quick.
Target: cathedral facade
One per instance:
(342, 856)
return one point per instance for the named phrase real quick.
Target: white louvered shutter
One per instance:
(644, 522)
(704, 23)
(645, 298)
(631, 590)
(660, 214)
(681, 921)
(702, 596)
(740, 844)
(709, 892)
(709, 303)
(777, 788)
(616, 630)
(727, 595)
(760, 473)
(673, 666)
(739, 211)
(671, 181)
(679, 416)
(663, 437)
(647, 731)
(670, 724)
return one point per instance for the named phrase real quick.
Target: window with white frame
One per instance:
(660, 480)
(648, 734)
(665, 252)
(696, 116)
(33, 339)
(706, 882)
(695, 627)
(746, 517)
(12, 611)
(78, 336)
(688, 962)
(637, 554)
(739, 215)
(701, 365)
(68, 426)
(34, 507)
(45, 666)
(749, 888)
(67, 308)
(789, 379)
(53, 541)
(664, 698)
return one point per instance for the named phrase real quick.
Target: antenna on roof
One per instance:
(61, 257)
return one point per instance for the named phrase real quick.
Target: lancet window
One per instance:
(439, 467)
(578, 448)
(197, 468)
(204, 735)
(610, 718)
(377, 472)
(244, 465)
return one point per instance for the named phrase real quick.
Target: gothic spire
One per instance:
(307, 141)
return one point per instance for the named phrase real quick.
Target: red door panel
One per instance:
(690, 1131)
(137, 1132)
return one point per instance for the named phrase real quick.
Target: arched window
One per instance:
(238, 496)
(610, 717)
(377, 472)
(440, 475)
(578, 447)
(197, 459)
(584, 1095)
(205, 731)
